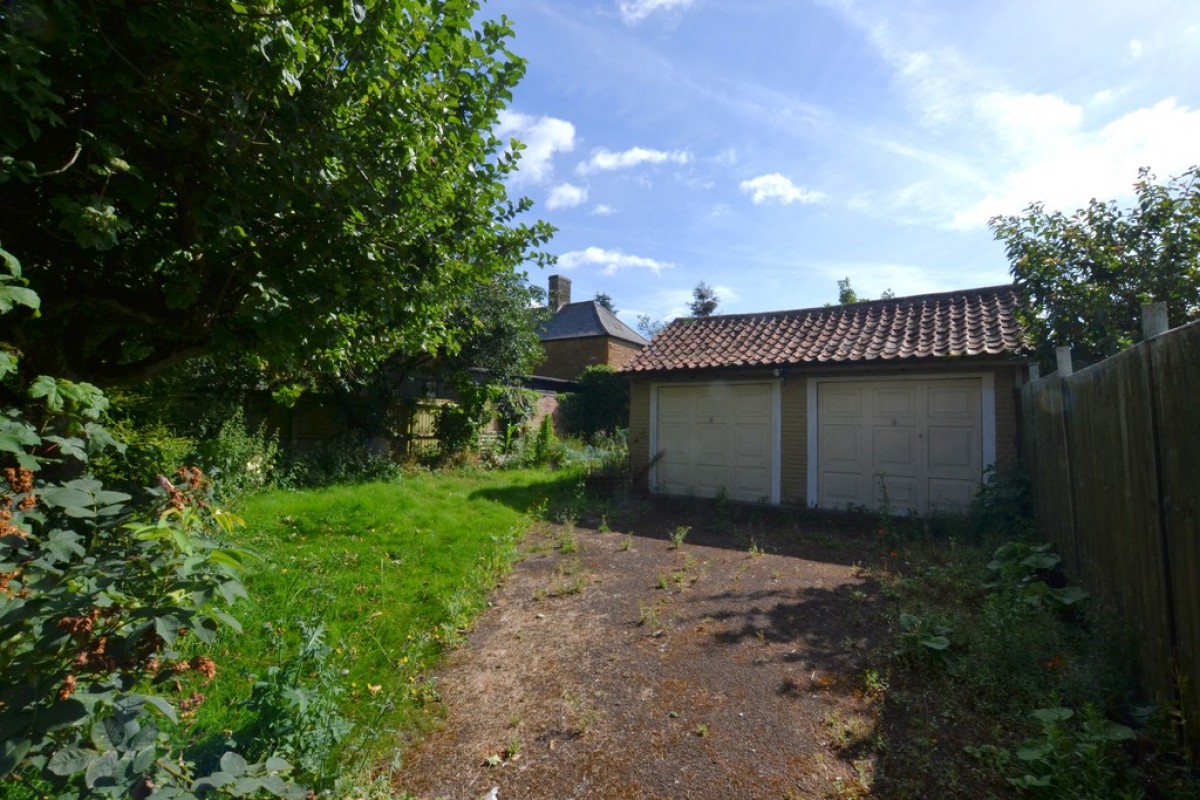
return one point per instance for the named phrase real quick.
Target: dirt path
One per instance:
(727, 667)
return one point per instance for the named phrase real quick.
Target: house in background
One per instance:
(581, 334)
(903, 402)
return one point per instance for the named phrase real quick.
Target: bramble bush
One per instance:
(95, 598)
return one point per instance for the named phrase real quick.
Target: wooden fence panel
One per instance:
(1114, 453)
(1050, 466)
(1176, 363)
(1110, 435)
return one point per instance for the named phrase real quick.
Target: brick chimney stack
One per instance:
(560, 291)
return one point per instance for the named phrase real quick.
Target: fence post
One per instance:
(1063, 355)
(1154, 320)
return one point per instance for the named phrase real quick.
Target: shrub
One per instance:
(601, 403)
(349, 459)
(151, 449)
(240, 459)
(94, 598)
(1004, 503)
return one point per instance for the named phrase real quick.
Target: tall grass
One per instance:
(393, 573)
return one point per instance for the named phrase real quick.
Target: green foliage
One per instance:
(514, 407)
(457, 425)
(1023, 570)
(297, 704)
(1079, 759)
(846, 295)
(648, 326)
(604, 299)
(923, 639)
(151, 449)
(547, 450)
(601, 403)
(240, 459)
(704, 300)
(395, 572)
(1004, 503)
(1084, 277)
(678, 535)
(304, 189)
(346, 460)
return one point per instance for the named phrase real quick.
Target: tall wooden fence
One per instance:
(1114, 453)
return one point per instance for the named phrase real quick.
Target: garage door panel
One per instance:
(895, 448)
(722, 438)
(673, 474)
(953, 448)
(959, 401)
(920, 441)
(842, 489)
(751, 402)
(712, 405)
(674, 403)
(896, 493)
(846, 402)
(710, 442)
(899, 401)
(674, 441)
(751, 443)
(751, 484)
(841, 444)
(950, 495)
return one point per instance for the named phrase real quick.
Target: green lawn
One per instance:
(392, 571)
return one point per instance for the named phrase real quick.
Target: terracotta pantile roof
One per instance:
(971, 322)
(587, 318)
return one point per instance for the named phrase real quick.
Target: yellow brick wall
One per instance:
(794, 435)
(621, 353)
(1006, 417)
(567, 358)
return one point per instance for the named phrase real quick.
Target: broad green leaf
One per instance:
(70, 760)
(233, 764)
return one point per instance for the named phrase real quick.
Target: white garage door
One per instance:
(918, 445)
(714, 438)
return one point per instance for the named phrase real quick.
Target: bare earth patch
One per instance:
(625, 667)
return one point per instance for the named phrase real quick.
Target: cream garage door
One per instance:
(715, 437)
(916, 444)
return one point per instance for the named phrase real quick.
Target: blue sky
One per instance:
(771, 147)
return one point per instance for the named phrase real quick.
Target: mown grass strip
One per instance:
(393, 571)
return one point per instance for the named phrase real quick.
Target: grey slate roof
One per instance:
(588, 318)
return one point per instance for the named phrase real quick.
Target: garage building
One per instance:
(902, 402)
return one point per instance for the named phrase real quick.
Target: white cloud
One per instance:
(777, 187)
(605, 160)
(610, 260)
(1072, 165)
(1028, 122)
(566, 195)
(634, 11)
(1135, 49)
(602, 210)
(543, 137)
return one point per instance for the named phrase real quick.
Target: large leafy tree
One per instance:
(312, 187)
(1084, 277)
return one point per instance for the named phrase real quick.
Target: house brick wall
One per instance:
(567, 358)
(621, 353)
